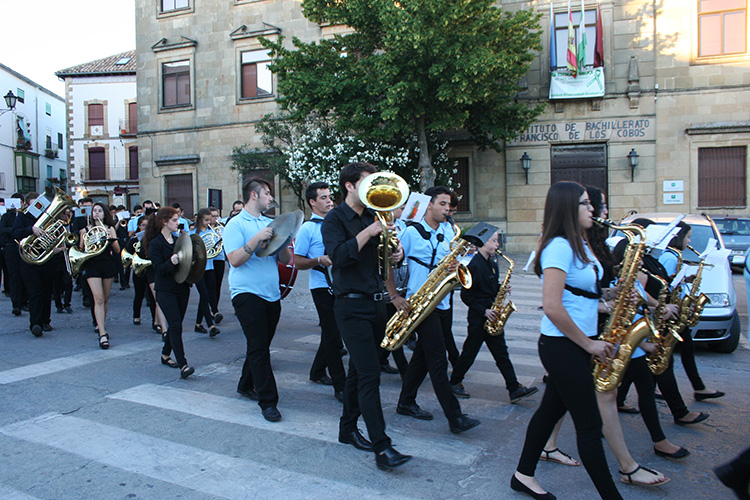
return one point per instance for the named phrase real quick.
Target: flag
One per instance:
(552, 42)
(571, 56)
(599, 45)
(582, 40)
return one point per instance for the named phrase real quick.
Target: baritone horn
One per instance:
(384, 192)
(39, 249)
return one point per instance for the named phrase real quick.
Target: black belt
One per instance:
(377, 297)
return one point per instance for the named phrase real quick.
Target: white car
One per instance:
(720, 323)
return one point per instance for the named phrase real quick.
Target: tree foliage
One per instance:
(412, 68)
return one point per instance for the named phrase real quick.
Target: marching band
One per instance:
(618, 307)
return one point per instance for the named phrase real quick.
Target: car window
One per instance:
(734, 227)
(699, 240)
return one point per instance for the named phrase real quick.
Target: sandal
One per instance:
(136, 321)
(630, 480)
(104, 341)
(169, 362)
(547, 457)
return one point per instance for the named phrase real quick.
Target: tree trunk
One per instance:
(425, 161)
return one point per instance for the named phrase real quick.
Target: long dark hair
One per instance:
(199, 217)
(107, 219)
(155, 224)
(561, 219)
(679, 238)
(597, 234)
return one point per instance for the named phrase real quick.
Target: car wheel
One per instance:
(730, 344)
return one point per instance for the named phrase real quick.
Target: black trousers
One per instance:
(18, 293)
(4, 271)
(219, 266)
(63, 286)
(671, 391)
(450, 341)
(687, 355)
(37, 279)
(430, 356)
(475, 337)
(174, 305)
(639, 374)
(204, 310)
(362, 326)
(329, 350)
(398, 355)
(142, 290)
(210, 278)
(570, 387)
(258, 319)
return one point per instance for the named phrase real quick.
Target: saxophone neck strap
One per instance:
(427, 236)
(585, 293)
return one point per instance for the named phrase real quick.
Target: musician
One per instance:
(207, 280)
(425, 245)
(567, 340)
(122, 239)
(35, 276)
(141, 283)
(78, 223)
(159, 242)
(479, 298)
(100, 271)
(351, 236)
(237, 207)
(62, 290)
(309, 253)
(18, 294)
(133, 221)
(254, 284)
(219, 267)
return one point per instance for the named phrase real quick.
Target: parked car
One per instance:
(719, 325)
(735, 230)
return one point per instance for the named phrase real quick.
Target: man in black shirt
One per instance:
(18, 295)
(351, 236)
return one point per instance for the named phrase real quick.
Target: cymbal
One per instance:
(183, 248)
(285, 227)
(198, 266)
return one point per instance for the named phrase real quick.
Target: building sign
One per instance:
(673, 186)
(615, 129)
(563, 85)
(673, 199)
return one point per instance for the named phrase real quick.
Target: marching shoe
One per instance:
(271, 414)
(36, 330)
(389, 459)
(213, 331)
(339, 396)
(251, 394)
(700, 418)
(681, 453)
(521, 393)
(186, 371)
(413, 410)
(699, 396)
(356, 439)
(324, 380)
(463, 423)
(199, 328)
(459, 391)
(517, 485)
(218, 318)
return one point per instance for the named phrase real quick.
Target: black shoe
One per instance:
(169, 362)
(213, 331)
(47, 327)
(387, 368)
(343, 352)
(517, 485)
(681, 453)
(86, 304)
(324, 380)
(389, 459)
(60, 310)
(36, 331)
(702, 397)
(463, 423)
(736, 482)
(69, 310)
(251, 394)
(459, 391)
(628, 409)
(658, 395)
(339, 396)
(123, 287)
(218, 318)
(522, 392)
(16, 312)
(413, 410)
(271, 414)
(186, 371)
(700, 418)
(200, 329)
(356, 439)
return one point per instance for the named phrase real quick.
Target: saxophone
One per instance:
(503, 311)
(620, 330)
(667, 334)
(439, 283)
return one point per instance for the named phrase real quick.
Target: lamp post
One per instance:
(633, 158)
(526, 165)
(10, 101)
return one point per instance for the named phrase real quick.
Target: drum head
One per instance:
(285, 227)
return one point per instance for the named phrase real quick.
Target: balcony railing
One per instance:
(128, 127)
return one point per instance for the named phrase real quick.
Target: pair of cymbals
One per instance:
(285, 228)
(191, 250)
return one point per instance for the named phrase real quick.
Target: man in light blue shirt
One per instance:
(309, 253)
(254, 285)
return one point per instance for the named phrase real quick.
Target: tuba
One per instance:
(383, 192)
(620, 330)
(94, 243)
(503, 310)
(39, 249)
(439, 284)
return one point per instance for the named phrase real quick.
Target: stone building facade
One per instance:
(676, 92)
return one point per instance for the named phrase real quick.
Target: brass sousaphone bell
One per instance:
(285, 227)
(192, 253)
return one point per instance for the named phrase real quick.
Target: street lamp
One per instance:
(526, 165)
(10, 101)
(633, 158)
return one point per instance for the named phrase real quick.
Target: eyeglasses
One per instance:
(585, 203)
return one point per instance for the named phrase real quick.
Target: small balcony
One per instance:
(128, 128)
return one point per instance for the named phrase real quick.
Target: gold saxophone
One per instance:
(39, 249)
(95, 241)
(439, 283)
(666, 336)
(503, 310)
(620, 330)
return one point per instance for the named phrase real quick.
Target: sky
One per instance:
(39, 37)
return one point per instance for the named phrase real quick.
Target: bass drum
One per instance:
(287, 274)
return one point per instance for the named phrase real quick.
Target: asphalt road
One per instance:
(77, 422)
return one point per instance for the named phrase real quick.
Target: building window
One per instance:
(460, 182)
(59, 141)
(48, 141)
(722, 27)
(257, 80)
(561, 36)
(26, 184)
(21, 95)
(48, 109)
(176, 84)
(179, 189)
(63, 179)
(722, 177)
(170, 5)
(133, 156)
(97, 164)
(96, 115)
(132, 118)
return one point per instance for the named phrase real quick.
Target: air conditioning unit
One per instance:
(97, 130)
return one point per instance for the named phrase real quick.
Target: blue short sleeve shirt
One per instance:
(415, 246)
(669, 260)
(258, 275)
(309, 244)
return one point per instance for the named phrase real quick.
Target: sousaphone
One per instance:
(285, 227)
(192, 253)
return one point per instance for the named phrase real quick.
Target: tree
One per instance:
(413, 68)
